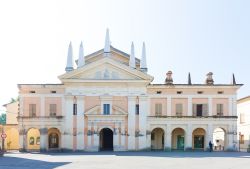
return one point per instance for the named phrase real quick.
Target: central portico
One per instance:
(106, 91)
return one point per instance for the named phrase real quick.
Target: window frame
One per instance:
(158, 109)
(106, 109)
(32, 110)
(52, 110)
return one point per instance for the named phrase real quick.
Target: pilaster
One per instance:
(210, 106)
(168, 137)
(131, 122)
(188, 137)
(143, 111)
(169, 106)
(80, 123)
(190, 106)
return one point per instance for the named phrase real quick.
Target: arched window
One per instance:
(38, 140)
(53, 140)
(32, 141)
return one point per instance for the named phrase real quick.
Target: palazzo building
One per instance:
(108, 102)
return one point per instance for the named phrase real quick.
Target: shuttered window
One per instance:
(32, 110)
(179, 109)
(219, 109)
(200, 109)
(52, 110)
(158, 109)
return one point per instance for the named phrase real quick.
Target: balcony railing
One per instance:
(40, 117)
(225, 117)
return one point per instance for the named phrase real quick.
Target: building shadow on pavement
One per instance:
(24, 163)
(159, 154)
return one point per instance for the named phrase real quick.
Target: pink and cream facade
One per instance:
(109, 103)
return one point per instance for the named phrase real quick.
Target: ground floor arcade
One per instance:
(168, 137)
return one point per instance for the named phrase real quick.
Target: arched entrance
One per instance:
(12, 140)
(157, 139)
(54, 138)
(33, 139)
(178, 139)
(106, 139)
(199, 139)
(219, 139)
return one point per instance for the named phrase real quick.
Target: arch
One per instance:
(33, 139)
(106, 139)
(157, 139)
(178, 139)
(219, 139)
(106, 127)
(12, 139)
(54, 138)
(198, 137)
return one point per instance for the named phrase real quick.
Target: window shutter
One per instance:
(178, 109)
(194, 110)
(158, 109)
(32, 110)
(204, 110)
(220, 109)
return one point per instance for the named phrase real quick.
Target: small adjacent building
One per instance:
(243, 109)
(11, 126)
(109, 102)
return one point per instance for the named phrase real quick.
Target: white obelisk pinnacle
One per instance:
(69, 66)
(132, 56)
(143, 64)
(81, 59)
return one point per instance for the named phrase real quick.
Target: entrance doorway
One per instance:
(157, 139)
(180, 142)
(106, 140)
(199, 138)
(178, 139)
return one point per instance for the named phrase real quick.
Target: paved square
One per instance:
(127, 160)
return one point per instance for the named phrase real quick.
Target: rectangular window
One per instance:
(106, 109)
(137, 109)
(52, 110)
(74, 109)
(242, 139)
(200, 110)
(158, 92)
(32, 110)
(158, 109)
(179, 109)
(219, 109)
(242, 118)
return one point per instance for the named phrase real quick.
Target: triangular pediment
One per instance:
(96, 111)
(105, 69)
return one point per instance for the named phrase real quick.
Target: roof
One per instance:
(205, 85)
(244, 99)
(114, 49)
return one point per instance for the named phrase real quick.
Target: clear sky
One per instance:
(184, 36)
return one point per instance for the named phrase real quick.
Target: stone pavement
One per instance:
(127, 160)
